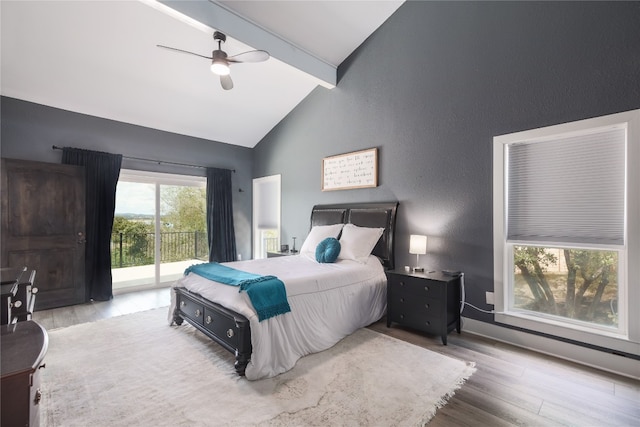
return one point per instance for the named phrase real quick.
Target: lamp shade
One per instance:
(418, 244)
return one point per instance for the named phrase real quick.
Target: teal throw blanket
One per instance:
(267, 293)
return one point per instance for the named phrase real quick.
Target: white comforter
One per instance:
(328, 302)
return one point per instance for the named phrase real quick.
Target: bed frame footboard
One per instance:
(226, 327)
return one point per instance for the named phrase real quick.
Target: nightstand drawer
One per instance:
(429, 324)
(425, 307)
(415, 287)
(420, 313)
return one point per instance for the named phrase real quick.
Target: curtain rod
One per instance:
(55, 147)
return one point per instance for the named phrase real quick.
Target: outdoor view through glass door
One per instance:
(159, 228)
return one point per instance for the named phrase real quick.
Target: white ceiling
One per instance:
(100, 58)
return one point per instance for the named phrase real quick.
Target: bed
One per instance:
(328, 301)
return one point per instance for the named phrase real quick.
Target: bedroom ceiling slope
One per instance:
(101, 59)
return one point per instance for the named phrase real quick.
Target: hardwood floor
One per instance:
(121, 304)
(512, 386)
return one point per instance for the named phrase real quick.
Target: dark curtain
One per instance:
(102, 172)
(220, 230)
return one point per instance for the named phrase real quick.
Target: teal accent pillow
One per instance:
(328, 250)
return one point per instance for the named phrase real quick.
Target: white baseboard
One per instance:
(597, 359)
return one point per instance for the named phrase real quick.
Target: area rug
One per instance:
(135, 370)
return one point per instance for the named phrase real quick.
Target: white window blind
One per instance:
(267, 202)
(569, 189)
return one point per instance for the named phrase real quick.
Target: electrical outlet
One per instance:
(489, 296)
(239, 257)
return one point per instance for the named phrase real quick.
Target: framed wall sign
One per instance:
(351, 170)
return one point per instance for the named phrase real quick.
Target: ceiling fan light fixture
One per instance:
(220, 68)
(220, 62)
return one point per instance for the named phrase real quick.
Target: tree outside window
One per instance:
(575, 284)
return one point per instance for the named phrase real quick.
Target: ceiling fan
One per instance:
(220, 61)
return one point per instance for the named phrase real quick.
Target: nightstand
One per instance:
(277, 254)
(428, 302)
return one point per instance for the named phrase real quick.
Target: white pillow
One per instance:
(317, 234)
(358, 242)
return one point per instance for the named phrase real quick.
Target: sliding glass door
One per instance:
(159, 228)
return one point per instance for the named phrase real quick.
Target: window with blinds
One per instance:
(567, 230)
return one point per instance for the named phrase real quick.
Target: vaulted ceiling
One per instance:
(100, 58)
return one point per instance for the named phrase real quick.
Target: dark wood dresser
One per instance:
(23, 346)
(428, 302)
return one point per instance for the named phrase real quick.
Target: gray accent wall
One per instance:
(431, 88)
(29, 131)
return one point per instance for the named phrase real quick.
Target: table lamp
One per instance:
(418, 246)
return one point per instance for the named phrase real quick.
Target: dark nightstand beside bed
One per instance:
(277, 254)
(428, 302)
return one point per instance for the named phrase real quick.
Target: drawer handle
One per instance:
(427, 323)
(198, 313)
(34, 290)
(426, 288)
(182, 304)
(230, 333)
(401, 299)
(17, 304)
(38, 397)
(208, 320)
(426, 306)
(402, 316)
(401, 283)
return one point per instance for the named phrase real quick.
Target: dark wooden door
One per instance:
(43, 227)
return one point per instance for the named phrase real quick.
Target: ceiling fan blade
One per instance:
(183, 51)
(251, 56)
(226, 82)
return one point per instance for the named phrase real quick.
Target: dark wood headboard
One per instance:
(364, 215)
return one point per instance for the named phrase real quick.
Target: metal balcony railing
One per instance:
(128, 250)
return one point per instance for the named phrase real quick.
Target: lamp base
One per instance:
(418, 269)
